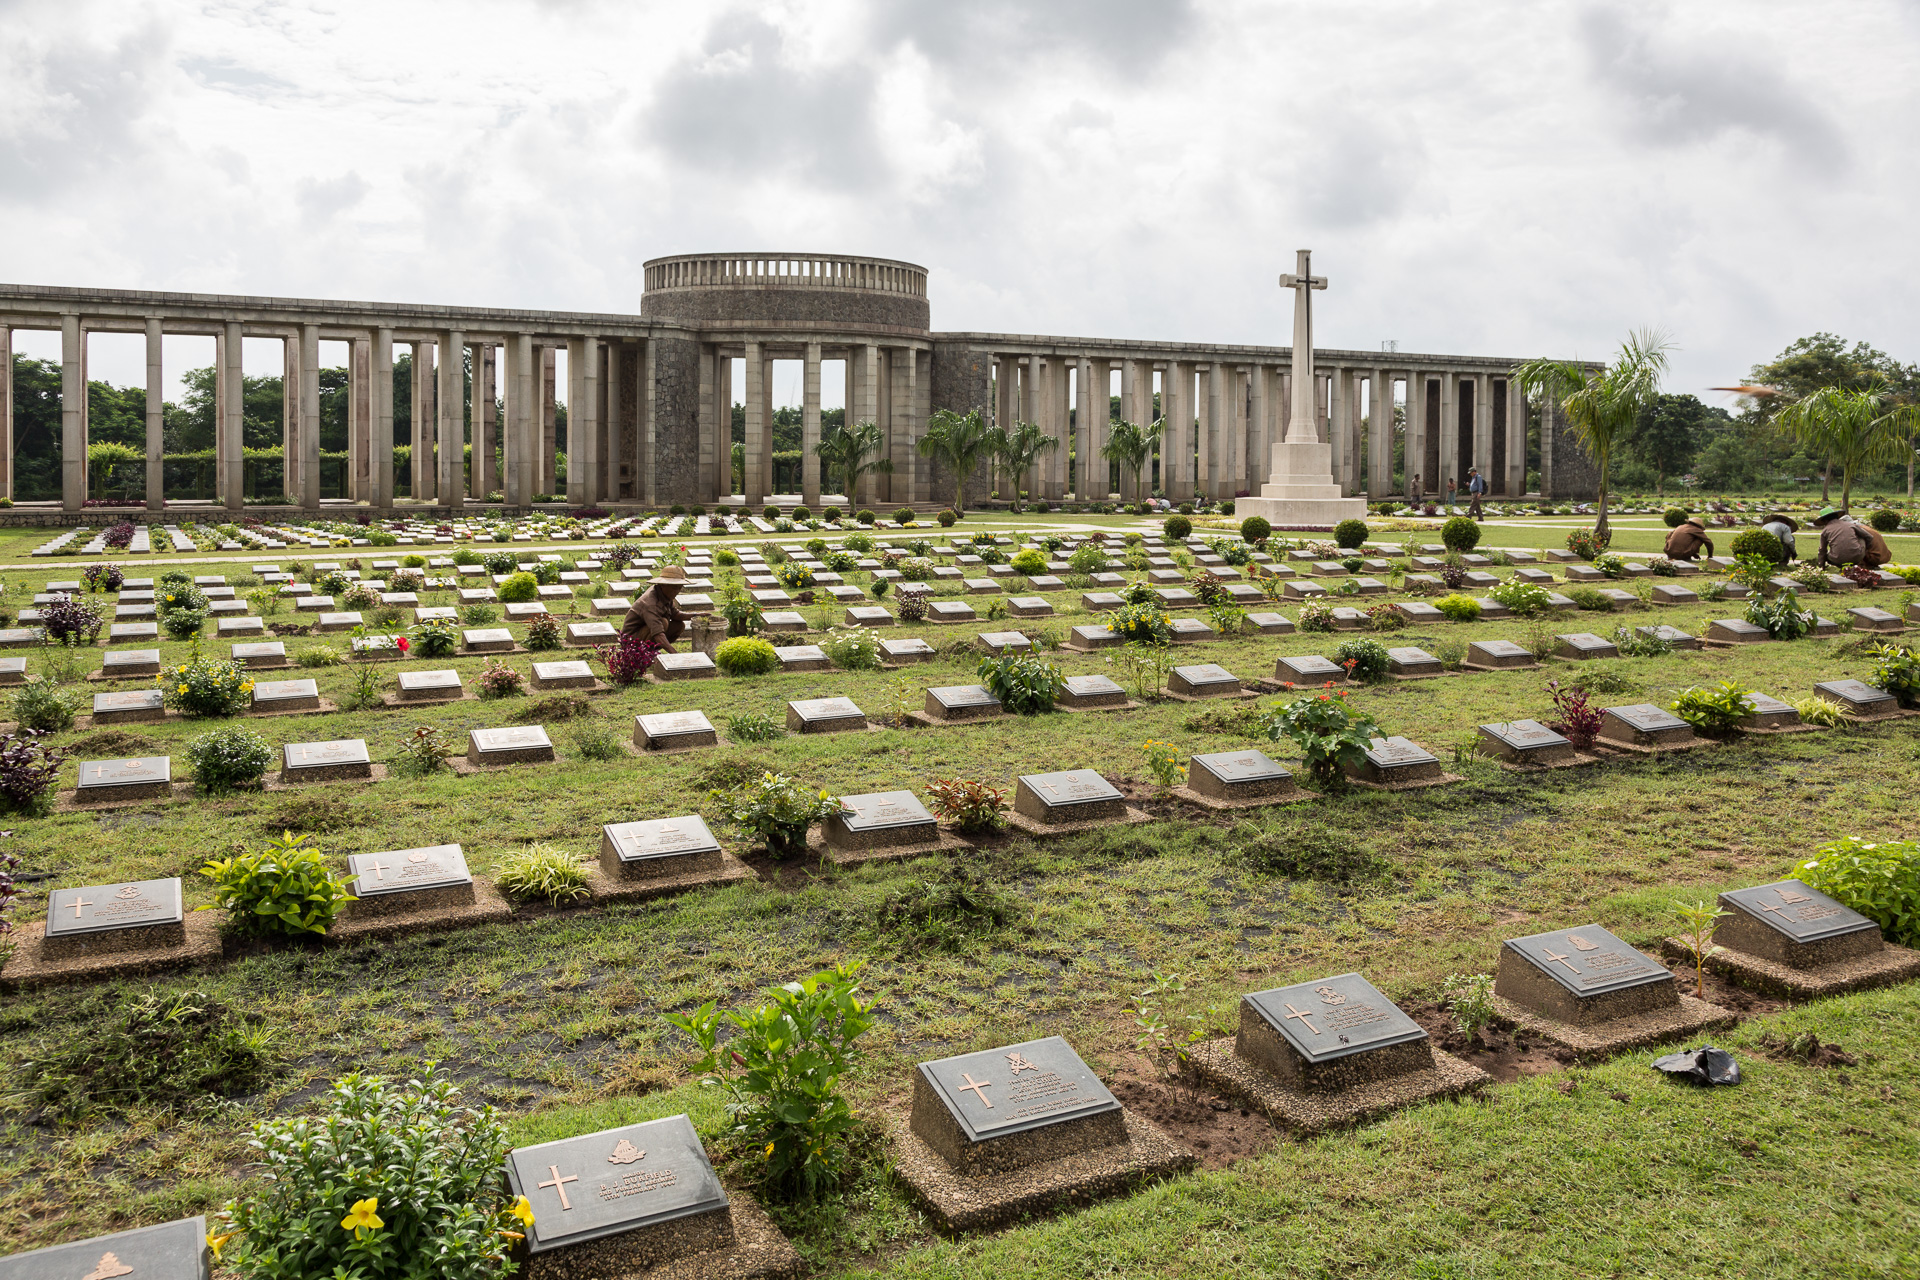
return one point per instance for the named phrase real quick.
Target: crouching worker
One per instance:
(655, 616)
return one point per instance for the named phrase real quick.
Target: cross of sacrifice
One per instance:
(979, 1088)
(1304, 1015)
(559, 1185)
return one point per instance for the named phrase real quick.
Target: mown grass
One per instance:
(556, 1017)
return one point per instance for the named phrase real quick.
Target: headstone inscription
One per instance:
(881, 820)
(140, 916)
(169, 1251)
(429, 686)
(1270, 624)
(1308, 668)
(518, 744)
(1239, 775)
(1582, 976)
(824, 715)
(1087, 693)
(585, 634)
(1644, 725)
(262, 653)
(130, 707)
(566, 675)
(1021, 1104)
(1395, 761)
(325, 761)
(1207, 680)
(138, 778)
(1525, 742)
(1672, 635)
(659, 847)
(1006, 642)
(398, 881)
(961, 702)
(1073, 795)
(286, 695)
(1329, 1035)
(123, 664)
(644, 1195)
(1029, 607)
(1411, 663)
(1873, 619)
(1499, 655)
(1858, 697)
(692, 665)
(802, 657)
(902, 651)
(1792, 924)
(1088, 638)
(672, 729)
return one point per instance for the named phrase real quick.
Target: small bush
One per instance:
(866, 517)
(1575, 720)
(1176, 527)
(1029, 563)
(1364, 659)
(778, 810)
(911, 606)
(319, 655)
(1459, 608)
(425, 749)
(1589, 599)
(228, 759)
(45, 707)
(1586, 543)
(202, 686)
(543, 633)
(1259, 529)
(967, 804)
(28, 770)
(1353, 533)
(1025, 683)
(1715, 712)
(284, 890)
(754, 726)
(745, 656)
(1674, 517)
(480, 615)
(1758, 542)
(518, 589)
(542, 873)
(1881, 881)
(853, 648)
(1461, 533)
(71, 620)
(498, 680)
(499, 562)
(946, 517)
(1523, 599)
(1886, 520)
(435, 639)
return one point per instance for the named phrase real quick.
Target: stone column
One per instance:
(1005, 377)
(869, 412)
(704, 490)
(547, 445)
(6, 412)
(903, 384)
(523, 419)
(613, 427)
(485, 469)
(1483, 427)
(380, 423)
(450, 482)
(1516, 439)
(1260, 446)
(307, 438)
(420, 434)
(754, 484)
(810, 430)
(156, 417)
(73, 414)
(290, 369)
(1340, 429)
(1379, 434)
(1061, 428)
(1447, 431)
(360, 438)
(1176, 447)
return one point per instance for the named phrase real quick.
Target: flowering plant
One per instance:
(1163, 762)
(1577, 722)
(104, 577)
(628, 659)
(1328, 731)
(203, 686)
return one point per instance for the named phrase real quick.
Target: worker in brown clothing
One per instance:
(1687, 538)
(1844, 541)
(655, 616)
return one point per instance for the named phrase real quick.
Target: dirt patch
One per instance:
(1221, 1132)
(112, 744)
(564, 707)
(1805, 1049)
(319, 815)
(1499, 1049)
(1739, 1000)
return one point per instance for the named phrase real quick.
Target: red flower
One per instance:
(402, 642)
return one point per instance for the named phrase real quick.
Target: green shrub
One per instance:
(1758, 542)
(1025, 683)
(1461, 533)
(518, 589)
(1524, 599)
(1141, 622)
(203, 686)
(1587, 543)
(544, 873)
(778, 810)
(745, 656)
(1328, 731)
(1782, 616)
(1885, 519)
(162, 1049)
(593, 738)
(1029, 563)
(946, 517)
(1259, 529)
(407, 1157)
(1880, 881)
(1369, 658)
(480, 615)
(781, 1070)
(866, 517)
(46, 707)
(499, 562)
(1092, 558)
(466, 555)
(1176, 527)
(1675, 517)
(853, 648)
(1589, 599)
(543, 633)
(1896, 670)
(1715, 712)
(319, 655)
(967, 804)
(1458, 607)
(754, 726)
(434, 639)
(284, 890)
(227, 759)
(413, 560)
(1353, 533)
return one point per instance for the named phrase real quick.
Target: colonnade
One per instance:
(1225, 412)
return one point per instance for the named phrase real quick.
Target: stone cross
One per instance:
(1301, 428)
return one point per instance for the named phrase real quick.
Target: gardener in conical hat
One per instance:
(1688, 538)
(1844, 540)
(655, 616)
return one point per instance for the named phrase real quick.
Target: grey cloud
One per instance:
(322, 198)
(234, 77)
(1677, 97)
(1360, 170)
(738, 106)
(1128, 35)
(78, 110)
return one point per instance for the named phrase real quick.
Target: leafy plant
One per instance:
(435, 639)
(1699, 919)
(1782, 616)
(967, 804)
(853, 648)
(319, 655)
(425, 749)
(45, 707)
(743, 613)
(1821, 711)
(1153, 1013)
(1461, 533)
(1459, 608)
(911, 606)
(1469, 998)
(745, 656)
(71, 620)
(1314, 615)
(1715, 712)
(594, 738)
(1523, 599)
(1365, 659)
(1879, 880)
(203, 686)
(1896, 670)
(284, 890)
(1025, 683)
(1353, 533)
(1146, 665)
(28, 770)
(754, 726)
(104, 577)
(778, 810)
(1587, 543)
(1141, 622)
(389, 1183)
(543, 633)
(1589, 598)
(1163, 762)
(519, 588)
(1328, 731)
(1577, 721)
(781, 1073)
(228, 759)
(1176, 528)
(1635, 643)
(366, 690)
(544, 873)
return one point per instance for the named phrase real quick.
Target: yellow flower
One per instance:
(522, 1210)
(363, 1219)
(769, 1148)
(181, 689)
(217, 1242)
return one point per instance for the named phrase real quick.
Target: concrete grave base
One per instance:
(26, 967)
(1635, 1031)
(1411, 784)
(1436, 675)
(277, 779)
(962, 1202)
(934, 722)
(605, 888)
(1241, 693)
(326, 705)
(758, 1252)
(87, 720)
(644, 752)
(1128, 705)
(817, 845)
(1853, 717)
(1040, 830)
(69, 801)
(1882, 968)
(1770, 730)
(1652, 748)
(466, 768)
(1475, 666)
(468, 651)
(1291, 795)
(487, 907)
(598, 686)
(1576, 760)
(395, 700)
(101, 677)
(1303, 1112)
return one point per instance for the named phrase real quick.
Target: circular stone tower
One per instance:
(794, 292)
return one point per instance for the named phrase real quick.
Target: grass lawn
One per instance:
(556, 1018)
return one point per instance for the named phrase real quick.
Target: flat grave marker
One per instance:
(133, 778)
(325, 761)
(824, 715)
(658, 847)
(517, 744)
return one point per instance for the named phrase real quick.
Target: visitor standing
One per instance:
(1451, 489)
(1476, 489)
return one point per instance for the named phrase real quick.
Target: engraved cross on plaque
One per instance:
(1561, 959)
(559, 1185)
(378, 867)
(979, 1088)
(79, 903)
(99, 770)
(1304, 1015)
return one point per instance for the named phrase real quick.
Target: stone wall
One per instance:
(804, 309)
(1567, 470)
(962, 381)
(676, 409)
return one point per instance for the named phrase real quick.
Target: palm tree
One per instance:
(1020, 448)
(1855, 428)
(851, 452)
(959, 440)
(1602, 404)
(1131, 445)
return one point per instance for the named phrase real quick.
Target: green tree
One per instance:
(960, 440)
(846, 454)
(1018, 448)
(1131, 445)
(1669, 434)
(1602, 404)
(1853, 428)
(1824, 360)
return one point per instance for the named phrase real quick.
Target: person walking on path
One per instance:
(1783, 528)
(655, 616)
(1687, 539)
(1477, 489)
(1844, 541)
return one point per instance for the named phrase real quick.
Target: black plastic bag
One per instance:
(1705, 1065)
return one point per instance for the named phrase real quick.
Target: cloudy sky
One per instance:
(1494, 178)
